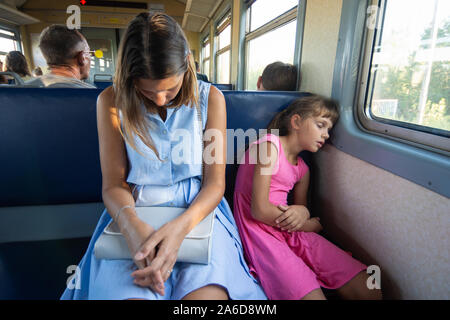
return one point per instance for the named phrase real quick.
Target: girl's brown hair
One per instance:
(306, 107)
(153, 47)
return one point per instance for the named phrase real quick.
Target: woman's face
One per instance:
(161, 92)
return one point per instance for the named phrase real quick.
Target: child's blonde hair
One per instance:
(306, 107)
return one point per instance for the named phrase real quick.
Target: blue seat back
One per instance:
(49, 142)
(50, 146)
(223, 86)
(102, 84)
(252, 110)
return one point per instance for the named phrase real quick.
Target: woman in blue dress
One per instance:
(155, 97)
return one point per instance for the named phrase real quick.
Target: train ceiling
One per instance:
(11, 16)
(198, 13)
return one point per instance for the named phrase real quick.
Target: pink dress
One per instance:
(288, 265)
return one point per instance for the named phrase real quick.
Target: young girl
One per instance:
(155, 94)
(281, 242)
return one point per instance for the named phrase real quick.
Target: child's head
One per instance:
(37, 72)
(310, 118)
(278, 76)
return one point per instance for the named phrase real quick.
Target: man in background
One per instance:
(200, 76)
(68, 57)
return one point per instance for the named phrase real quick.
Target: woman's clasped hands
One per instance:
(155, 253)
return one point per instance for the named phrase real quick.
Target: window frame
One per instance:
(427, 168)
(15, 37)
(205, 41)
(432, 139)
(219, 26)
(277, 22)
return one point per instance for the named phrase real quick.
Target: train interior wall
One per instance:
(381, 218)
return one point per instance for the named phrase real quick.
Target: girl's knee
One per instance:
(367, 293)
(316, 294)
(357, 289)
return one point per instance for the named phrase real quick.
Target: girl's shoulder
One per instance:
(270, 140)
(265, 150)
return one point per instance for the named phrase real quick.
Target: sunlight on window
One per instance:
(260, 54)
(7, 45)
(225, 37)
(223, 67)
(206, 68)
(262, 11)
(8, 33)
(411, 64)
(205, 51)
(2, 60)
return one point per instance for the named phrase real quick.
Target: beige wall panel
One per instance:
(320, 39)
(385, 220)
(194, 43)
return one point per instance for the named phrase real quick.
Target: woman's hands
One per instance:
(158, 253)
(293, 218)
(136, 233)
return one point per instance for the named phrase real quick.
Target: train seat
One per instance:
(102, 81)
(223, 86)
(50, 159)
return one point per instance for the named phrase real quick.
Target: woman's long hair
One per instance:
(153, 47)
(16, 62)
(310, 106)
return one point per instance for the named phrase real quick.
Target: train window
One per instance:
(408, 87)
(205, 56)
(262, 11)
(8, 42)
(223, 45)
(279, 32)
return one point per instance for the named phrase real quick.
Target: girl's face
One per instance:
(161, 92)
(312, 132)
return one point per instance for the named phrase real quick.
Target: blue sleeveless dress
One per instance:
(171, 182)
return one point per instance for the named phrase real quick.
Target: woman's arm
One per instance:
(115, 191)
(113, 159)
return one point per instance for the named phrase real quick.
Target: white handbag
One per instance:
(195, 248)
